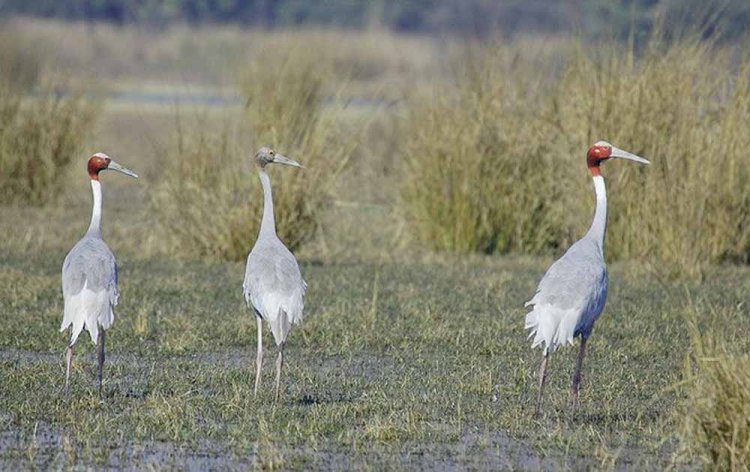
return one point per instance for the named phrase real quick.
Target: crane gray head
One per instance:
(266, 155)
(100, 161)
(602, 150)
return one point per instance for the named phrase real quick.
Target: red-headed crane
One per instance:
(571, 295)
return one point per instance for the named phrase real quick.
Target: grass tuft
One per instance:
(495, 161)
(38, 139)
(39, 135)
(212, 207)
(685, 108)
(716, 425)
(481, 172)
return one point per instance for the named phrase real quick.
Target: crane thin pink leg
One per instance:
(259, 357)
(577, 376)
(542, 380)
(100, 358)
(279, 365)
(69, 357)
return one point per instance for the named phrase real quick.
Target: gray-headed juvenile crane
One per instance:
(89, 275)
(273, 285)
(571, 295)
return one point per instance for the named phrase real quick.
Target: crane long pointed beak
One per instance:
(115, 166)
(618, 153)
(279, 159)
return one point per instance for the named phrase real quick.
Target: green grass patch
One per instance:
(396, 365)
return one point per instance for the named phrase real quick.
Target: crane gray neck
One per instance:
(598, 228)
(95, 228)
(268, 223)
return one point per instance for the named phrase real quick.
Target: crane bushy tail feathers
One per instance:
(282, 324)
(97, 308)
(553, 326)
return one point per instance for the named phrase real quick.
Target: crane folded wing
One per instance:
(89, 288)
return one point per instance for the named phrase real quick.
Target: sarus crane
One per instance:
(89, 275)
(273, 285)
(571, 295)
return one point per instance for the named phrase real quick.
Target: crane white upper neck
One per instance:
(598, 228)
(268, 223)
(95, 228)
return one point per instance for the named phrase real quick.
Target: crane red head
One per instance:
(100, 161)
(602, 150)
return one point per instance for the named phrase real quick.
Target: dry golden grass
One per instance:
(686, 107)
(39, 134)
(492, 142)
(716, 415)
(496, 161)
(211, 206)
(38, 139)
(481, 171)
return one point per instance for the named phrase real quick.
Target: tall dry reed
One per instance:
(39, 137)
(716, 415)
(480, 171)
(210, 199)
(496, 161)
(39, 134)
(686, 107)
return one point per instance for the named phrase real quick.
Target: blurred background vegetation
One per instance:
(429, 126)
(477, 18)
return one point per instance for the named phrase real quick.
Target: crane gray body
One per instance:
(274, 286)
(570, 297)
(90, 291)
